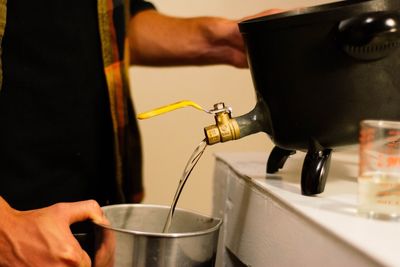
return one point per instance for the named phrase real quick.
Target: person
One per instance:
(69, 140)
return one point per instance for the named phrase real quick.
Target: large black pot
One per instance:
(321, 70)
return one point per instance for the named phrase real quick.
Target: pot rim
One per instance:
(334, 11)
(165, 235)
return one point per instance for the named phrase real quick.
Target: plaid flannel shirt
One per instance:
(113, 16)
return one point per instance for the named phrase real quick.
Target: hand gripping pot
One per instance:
(320, 71)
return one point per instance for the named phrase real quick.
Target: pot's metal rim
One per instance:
(310, 10)
(320, 9)
(332, 12)
(164, 235)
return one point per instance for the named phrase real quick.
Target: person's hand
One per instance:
(42, 237)
(105, 252)
(226, 42)
(159, 40)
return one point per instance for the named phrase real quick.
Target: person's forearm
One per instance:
(160, 40)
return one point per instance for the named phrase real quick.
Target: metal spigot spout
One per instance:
(225, 128)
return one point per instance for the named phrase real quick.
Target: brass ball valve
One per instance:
(225, 129)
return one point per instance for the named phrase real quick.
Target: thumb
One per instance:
(86, 262)
(85, 210)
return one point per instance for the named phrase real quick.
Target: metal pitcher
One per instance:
(134, 238)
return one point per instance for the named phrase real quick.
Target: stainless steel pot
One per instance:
(134, 237)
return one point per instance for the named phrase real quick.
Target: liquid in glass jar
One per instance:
(379, 195)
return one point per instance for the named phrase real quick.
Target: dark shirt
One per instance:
(140, 5)
(55, 125)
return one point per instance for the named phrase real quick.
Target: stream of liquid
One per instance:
(194, 158)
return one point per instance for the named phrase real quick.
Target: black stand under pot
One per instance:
(321, 70)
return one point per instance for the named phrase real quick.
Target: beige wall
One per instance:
(169, 140)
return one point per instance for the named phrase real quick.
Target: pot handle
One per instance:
(168, 108)
(370, 36)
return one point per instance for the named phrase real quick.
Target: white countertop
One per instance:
(334, 209)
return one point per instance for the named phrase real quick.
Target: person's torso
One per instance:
(56, 130)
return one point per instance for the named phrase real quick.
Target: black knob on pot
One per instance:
(370, 36)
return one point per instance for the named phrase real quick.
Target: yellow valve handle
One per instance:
(168, 108)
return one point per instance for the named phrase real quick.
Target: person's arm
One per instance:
(159, 40)
(43, 237)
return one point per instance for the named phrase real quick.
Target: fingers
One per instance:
(269, 12)
(86, 262)
(76, 258)
(238, 59)
(81, 211)
(264, 13)
(105, 254)
(85, 210)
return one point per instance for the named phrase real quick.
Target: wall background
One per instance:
(169, 140)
